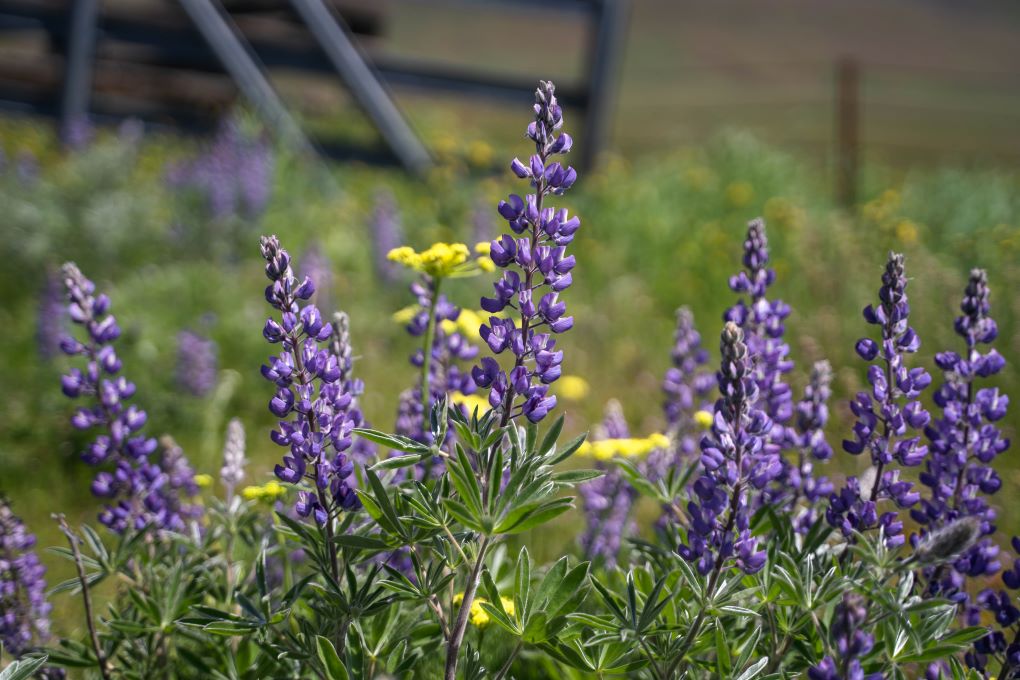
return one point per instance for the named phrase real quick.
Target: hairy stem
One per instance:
(460, 626)
(104, 669)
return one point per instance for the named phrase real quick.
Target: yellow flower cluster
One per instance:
(704, 419)
(606, 449)
(203, 481)
(267, 493)
(467, 324)
(572, 387)
(479, 617)
(439, 260)
(471, 402)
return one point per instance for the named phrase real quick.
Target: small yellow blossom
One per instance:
(699, 177)
(405, 315)
(439, 260)
(267, 493)
(203, 481)
(704, 419)
(486, 264)
(572, 387)
(479, 617)
(739, 194)
(483, 247)
(471, 402)
(606, 449)
(906, 232)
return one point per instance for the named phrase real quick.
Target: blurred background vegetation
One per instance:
(725, 113)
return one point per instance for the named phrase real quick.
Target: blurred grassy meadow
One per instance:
(662, 225)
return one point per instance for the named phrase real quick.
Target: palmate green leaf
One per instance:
(568, 450)
(391, 441)
(522, 585)
(574, 477)
(22, 669)
(540, 515)
(754, 669)
(535, 630)
(499, 616)
(548, 444)
(398, 462)
(461, 513)
(330, 660)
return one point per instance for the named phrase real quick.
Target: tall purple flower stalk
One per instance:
(51, 317)
(387, 234)
(142, 493)
(887, 416)
(812, 414)
(233, 175)
(737, 466)
(687, 384)
(448, 348)
(963, 442)
(363, 451)
(849, 641)
(537, 271)
(196, 363)
(607, 500)
(311, 400)
(1003, 641)
(24, 611)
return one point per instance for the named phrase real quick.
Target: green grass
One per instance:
(657, 232)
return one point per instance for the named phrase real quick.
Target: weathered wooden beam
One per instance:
(604, 51)
(78, 60)
(334, 39)
(242, 65)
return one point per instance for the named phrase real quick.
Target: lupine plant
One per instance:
(373, 554)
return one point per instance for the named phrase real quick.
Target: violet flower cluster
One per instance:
(887, 416)
(1003, 642)
(849, 641)
(387, 234)
(363, 451)
(234, 460)
(687, 384)
(737, 464)
(537, 271)
(312, 401)
(51, 316)
(607, 500)
(24, 611)
(448, 348)
(234, 175)
(964, 441)
(196, 363)
(141, 493)
(812, 415)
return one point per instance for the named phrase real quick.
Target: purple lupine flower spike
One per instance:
(538, 269)
(849, 641)
(311, 401)
(812, 414)
(137, 488)
(687, 384)
(963, 441)
(24, 611)
(234, 460)
(387, 234)
(196, 363)
(318, 268)
(607, 500)
(51, 319)
(450, 349)
(737, 466)
(363, 451)
(887, 416)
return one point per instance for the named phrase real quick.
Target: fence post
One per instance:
(847, 130)
(79, 57)
(605, 46)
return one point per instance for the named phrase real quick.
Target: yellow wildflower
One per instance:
(704, 419)
(906, 231)
(479, 154)
(486, 264)
(483, 247)
(439, 260)
(267, 493)
(203, 481)
(470, 402)
(606, 449)
(404, 316)
(739, 194)
(572, 387)
(478, 616)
